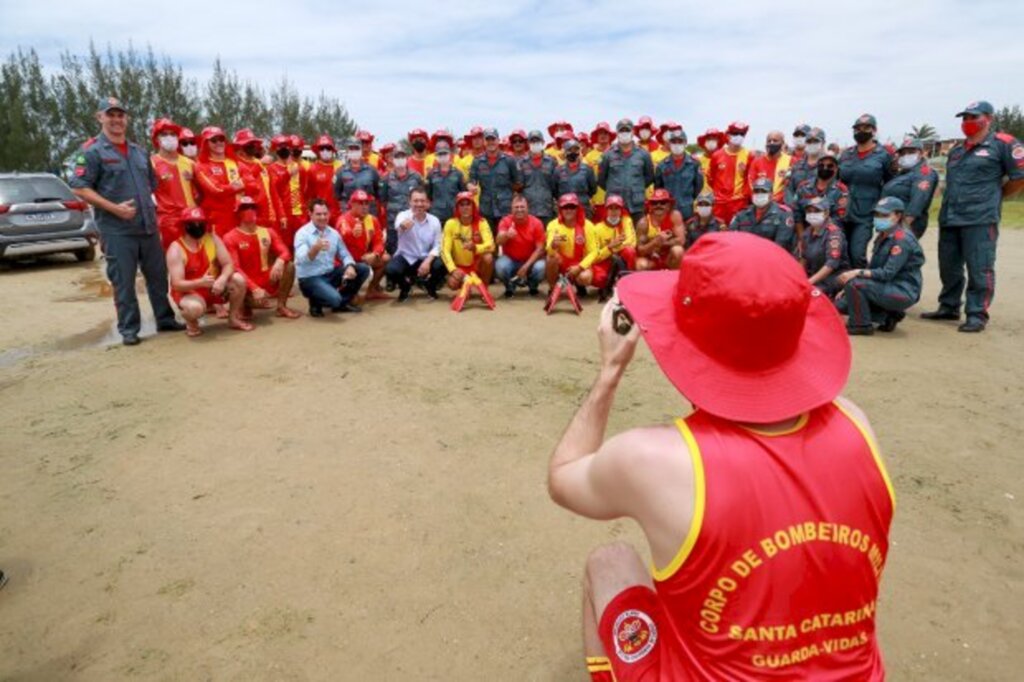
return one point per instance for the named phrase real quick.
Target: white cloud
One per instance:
(400, 65)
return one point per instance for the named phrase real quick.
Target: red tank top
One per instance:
(201, 261)
(778, 576)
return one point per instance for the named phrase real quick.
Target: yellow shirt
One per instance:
(454, 254)
(569, 246)
(603, 234)
(593, 159)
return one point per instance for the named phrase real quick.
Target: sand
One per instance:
(363, 497)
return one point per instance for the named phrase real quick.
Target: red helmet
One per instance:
(359, 196)
(602, 127)
(162, 125)
(737, 128)
(644, 122)
(279, 142)
(441, 135)
(518, 132)
(465, 196)
(245, 202)
(568, 199)
(658, 196)
(210, 132)
(564, 125)
(418, 132)
(711, 133)
(614, 200)
(324, 141)
(561, 137)
(583, 138)
(192, 215)
(365, 136)
(296, 142)
(186, 134)
(245, 136)
(664, 128)
(387, 147)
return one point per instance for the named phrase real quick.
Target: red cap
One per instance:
(737, 128)
(614, 200)
(296, 142)
(418, 132)
(568, 199)
(210, 132)
(192, 215)
(644, 122)
(245, 202)
(278, 141)
(365, 136)
(518, 132)
(664, 128)
(734, 328)
(710, 133)
(186, 134)
(441, 135)
(245, 136)
(164, 125)
(602, 127)
(475, 131)
(583, 138)
(324, 141)
(465, 196)
(359, 196)
(559, 124)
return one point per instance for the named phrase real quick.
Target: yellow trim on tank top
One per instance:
(698, 506)
(874, 451)
(800, 423)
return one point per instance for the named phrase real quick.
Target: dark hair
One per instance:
(419, 189)
(317, 202)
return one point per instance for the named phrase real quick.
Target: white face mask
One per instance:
(761, 199)
(815, 219)
(799, 142)
(326, 154)
(909, 160)
(169, 143)
(400, 162)
(814, 148)
(645, 134)
(613, 221)
(189, 150)
(677, 148)
(625, 137)
(736, 140)
(354, 155)
(444, 159)
(703, 211)
(536, 147)
(711, 145)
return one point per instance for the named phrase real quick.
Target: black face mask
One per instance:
(283, 153)
(572, 156)
(862, 136)
(826, 173)
(774, 149)
(419, 145)
(195, 230)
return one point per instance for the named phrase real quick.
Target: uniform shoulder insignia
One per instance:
(1006, 137)
(841, 186)
(1018, 152)
(924, 185)
(896, 250)
(925, 169)
(88, 143)
(899, 234)
(784, 208)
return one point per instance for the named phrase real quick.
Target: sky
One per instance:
(402, 65)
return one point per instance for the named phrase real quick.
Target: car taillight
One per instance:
(75, 205)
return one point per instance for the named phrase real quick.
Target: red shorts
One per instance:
(638, 639)
(262, 280)
(602, 271)
(205, 294)
(566, 263)
(464, 269)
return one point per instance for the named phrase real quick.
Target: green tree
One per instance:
(25, 116)
(1010, 120)
(924, 132)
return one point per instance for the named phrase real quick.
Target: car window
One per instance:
(27, 190)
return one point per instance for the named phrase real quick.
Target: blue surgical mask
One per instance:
(882, 224)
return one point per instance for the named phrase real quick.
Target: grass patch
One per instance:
(1013, 213)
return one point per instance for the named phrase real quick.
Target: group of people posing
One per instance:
(240, 222)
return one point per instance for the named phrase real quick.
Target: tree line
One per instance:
(44, 117)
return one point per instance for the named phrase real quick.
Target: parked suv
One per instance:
(39, 215)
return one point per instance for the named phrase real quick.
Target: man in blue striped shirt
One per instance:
(318, 246)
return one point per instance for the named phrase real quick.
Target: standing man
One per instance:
(522, 241)
(864, 168)
(116, 178)
(644, 131)
(679, 173)
(320, 179)
(576, 177)
(174, 172)
(767, 218)
(418, 140)
(914, 186)
(444, 183)
(288, 181)
(733, 555)
(356, 174)
(417, 256)
(249, 154)
(496, 175)
(328, 275)
(774, 164)
(537, 175)
(261, 256)
(804, 167)
(800, 135)
(626, 170)
(970, 213)
(600, 139)
(727, 173)
(474, 141)
(370, 157)
(220, 181)
(395, 192)
(187, 144)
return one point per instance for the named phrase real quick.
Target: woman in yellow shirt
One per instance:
(467, 244)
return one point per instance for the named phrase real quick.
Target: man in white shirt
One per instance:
(416, 258)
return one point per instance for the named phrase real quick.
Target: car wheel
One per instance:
(86, 255)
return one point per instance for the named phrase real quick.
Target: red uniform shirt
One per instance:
(290, 189)
(727, 174)
(197, 264)
(360, 237)
(320, 185)
(218, 198)
(257, 182)
(174, 192)
(418, 165)
(778, 576)
(526, 239)
(254, 254)
(776, 170)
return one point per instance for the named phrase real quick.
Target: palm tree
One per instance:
(924, 132)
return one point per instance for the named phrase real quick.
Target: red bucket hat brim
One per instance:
(813, 375)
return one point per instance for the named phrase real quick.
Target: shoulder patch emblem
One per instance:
(924, 185)
(1018, 152)
(635, 635)
(896, 250)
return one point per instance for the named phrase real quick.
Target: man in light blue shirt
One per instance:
(416, 257)
(317, 247)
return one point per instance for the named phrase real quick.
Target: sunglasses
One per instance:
(218, 140)
(661, 204)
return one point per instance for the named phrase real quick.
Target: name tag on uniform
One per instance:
(981, 152)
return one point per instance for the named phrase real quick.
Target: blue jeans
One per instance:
(505, 269)
(328, 291)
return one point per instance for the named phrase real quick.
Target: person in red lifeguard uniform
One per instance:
(220, 180)
(767, 509)
(660, 234)
(364, 238)
(174, 191)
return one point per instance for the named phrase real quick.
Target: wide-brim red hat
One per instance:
(739, 330)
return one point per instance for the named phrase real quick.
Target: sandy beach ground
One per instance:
(363, 497)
